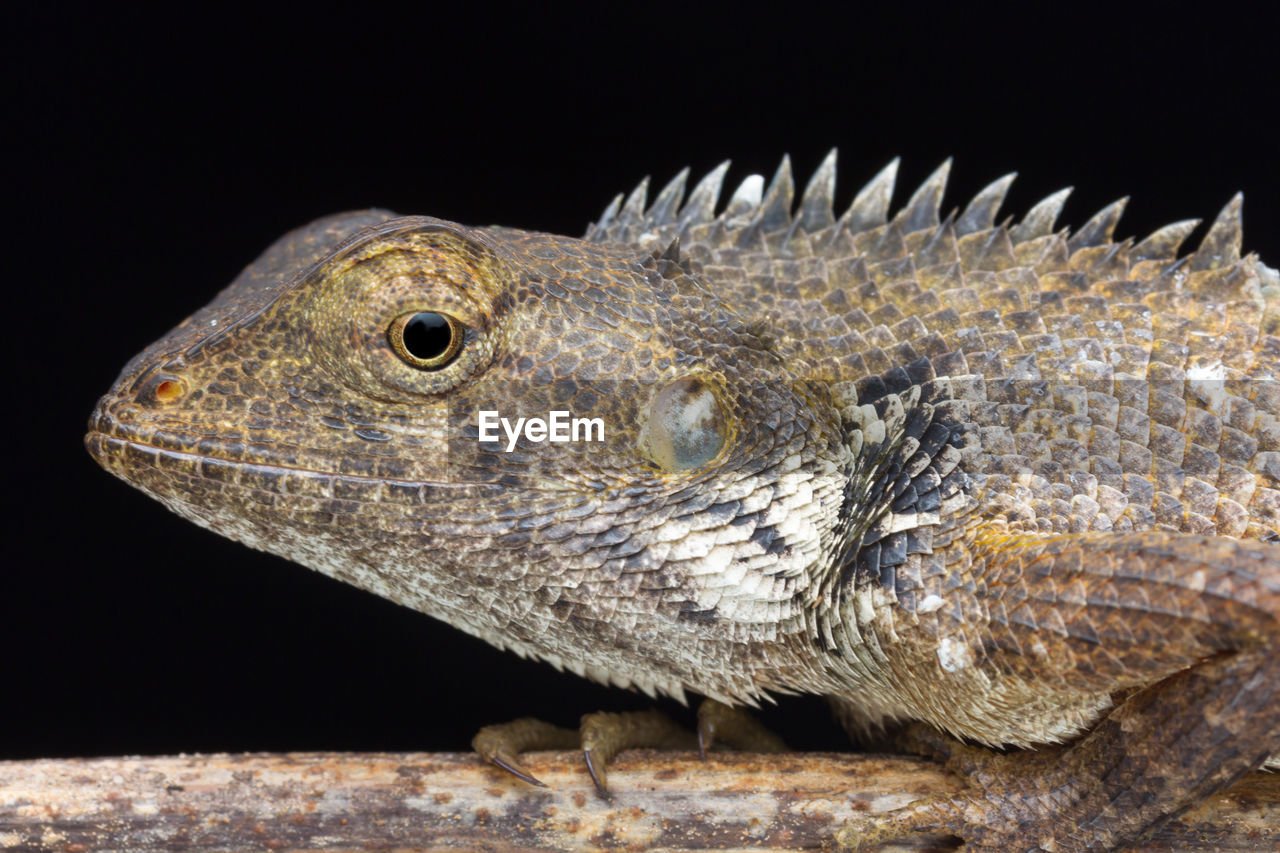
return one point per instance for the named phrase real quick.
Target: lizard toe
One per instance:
(605, 734)
(734, 727)
(501, 744)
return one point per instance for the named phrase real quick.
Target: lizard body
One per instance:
(1020, 483)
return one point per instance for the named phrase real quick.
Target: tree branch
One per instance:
(420, 801)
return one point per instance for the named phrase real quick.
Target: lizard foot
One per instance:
(603, 735)
(1197, 703)
(734, 727)
(1117, 782)
(1013, 803)
(500, 744)
(600, 735)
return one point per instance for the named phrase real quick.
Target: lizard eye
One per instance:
(426, 340)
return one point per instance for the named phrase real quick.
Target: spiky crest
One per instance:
(701, 206)
(815, 205)
(921, 212)
(1165, 242)
(754, 211)
(1039, 220)
(1221, 246)
(980, 214)
(870, 208)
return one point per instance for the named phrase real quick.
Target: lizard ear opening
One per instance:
(687, 426)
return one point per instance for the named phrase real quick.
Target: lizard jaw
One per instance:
(125, 456)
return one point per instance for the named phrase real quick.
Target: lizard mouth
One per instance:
(137, 462)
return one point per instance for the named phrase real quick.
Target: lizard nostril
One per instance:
(163, 389)
(168, 391)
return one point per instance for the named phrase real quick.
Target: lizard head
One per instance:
(562, 447)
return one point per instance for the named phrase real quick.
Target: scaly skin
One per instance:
(1019, 484)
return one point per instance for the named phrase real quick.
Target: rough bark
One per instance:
(415, 801)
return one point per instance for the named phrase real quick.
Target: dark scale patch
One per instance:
(356, 417)
(870, 389)
(768, 539)
(935, 436)
(628, 548)
(893, 551)
(615, 535)
(906, 499)
(863, 569)
(898, 382)
(918, 421)
(724, 512)
(909, 479)
(690, 612)
(918, 541)
(887, 575)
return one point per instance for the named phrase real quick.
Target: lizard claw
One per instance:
(601, 736)
(500, 744)
(596, 767)
(604, 735)
(508, 763)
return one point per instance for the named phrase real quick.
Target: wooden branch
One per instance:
(410, 802)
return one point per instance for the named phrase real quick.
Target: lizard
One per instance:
(1014, 484)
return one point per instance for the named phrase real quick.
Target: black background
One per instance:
(151, 157)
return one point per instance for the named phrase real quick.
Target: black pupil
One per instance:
(427, 335)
